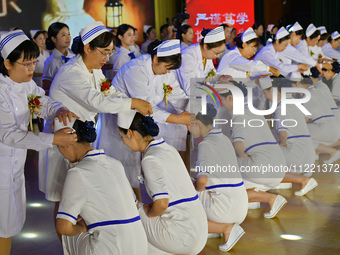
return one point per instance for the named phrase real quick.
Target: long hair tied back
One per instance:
(86, 131)
(208, 118)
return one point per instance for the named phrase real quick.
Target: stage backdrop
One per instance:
(211, 13)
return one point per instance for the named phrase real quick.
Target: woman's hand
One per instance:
(302, 67)
(274, 71)
(225, 78)
(82, 225)
(142, 106)
(63, 113)
(182, 118)
(64, 137)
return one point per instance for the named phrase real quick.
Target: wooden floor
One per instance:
(314, 218)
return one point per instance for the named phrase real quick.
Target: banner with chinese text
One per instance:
(211, 13)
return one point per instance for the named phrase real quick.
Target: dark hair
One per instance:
(53, 31)
(86, 131)
(27, 48)
(224, 26)
(239, 43)
(240, 85)
(144, 125)
(145, 36)
(307, 80)
(315, 34)
(122, 29)
(207, 119)
(330, 39)
(257, 25)
(101, 41)
(335, 67)
(287, 37)
(183, 30)
(38, 33)
(315, 72)
(164, 27)
(211, 45)
(280, 82)
(175, 61)
(324, 37)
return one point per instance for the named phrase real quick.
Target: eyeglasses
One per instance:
(217, 53)
(30, 64)
(105, 55)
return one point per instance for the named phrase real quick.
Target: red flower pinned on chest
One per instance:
(105, 86)
(34, 105)
(320, 55)
(167, 91)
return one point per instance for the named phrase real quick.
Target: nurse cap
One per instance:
(270, 27)
(146, 27)
(125, 119)
(295, 27)
(248, 35)
(60, 125)
(215, 35)
(33, 32)
(265, 83)
(310, 30)
(91, 31)
(282, 32)
(322, 30)
(11, 40)
(168, 48)
(335, 35)
(294, 76)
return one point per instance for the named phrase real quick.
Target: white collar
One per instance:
(154, 143)
(213, 132)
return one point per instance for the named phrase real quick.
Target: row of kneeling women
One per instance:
(143, 122)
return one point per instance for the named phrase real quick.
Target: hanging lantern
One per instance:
(113, 13)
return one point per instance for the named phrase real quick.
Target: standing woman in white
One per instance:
(256, 147)
(186, 34)
(316, 51)
(175, 223)
(97, 213)
(312, 38)
(150, 35)
(17, 62)
(237, 63)
(222, 194)
(269, 54)
(40, 40)
(124, 39)
(330, 48)
(197, 58)
(78, 85)
(58, 40)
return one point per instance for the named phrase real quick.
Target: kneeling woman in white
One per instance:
(175, 222)
(97, 213)
(255, 148)
(322, 124)
(295, 141)
(222, 194)
(331, 72)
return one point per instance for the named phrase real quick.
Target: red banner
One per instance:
(212, 13)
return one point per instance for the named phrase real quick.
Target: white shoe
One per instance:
(284, 185)
(254, 205)
(279, 203)
(235, 234)
(335, 157)
(310, 185)
(214, 235)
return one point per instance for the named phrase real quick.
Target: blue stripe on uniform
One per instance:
(91, 155)
(224, 185)
(67, 215)
(184, 200)
(113, 222)
(335, 108)
(156, 144)
(159, 194)
(259, 144)
(325, 116)
(297, 136)
(215, 133)
(238, 137)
